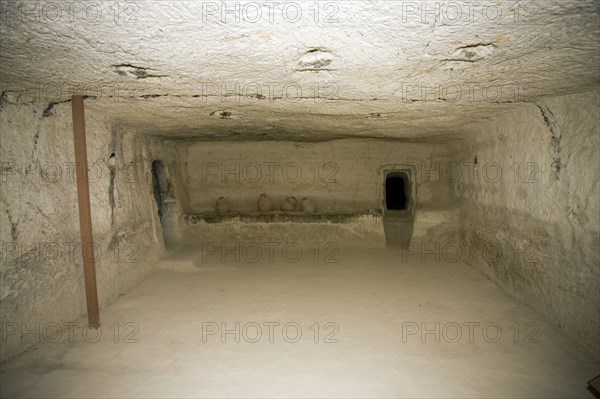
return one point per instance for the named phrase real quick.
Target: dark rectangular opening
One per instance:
(396, 192)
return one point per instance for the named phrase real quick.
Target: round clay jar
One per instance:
(265, 204)
(289, 205)
(307, 205)
(222, 207)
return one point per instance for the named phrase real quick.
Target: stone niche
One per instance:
(346, 180)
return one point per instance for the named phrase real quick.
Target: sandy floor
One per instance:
(368, 341)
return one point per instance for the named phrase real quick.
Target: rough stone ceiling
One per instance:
(363, 68)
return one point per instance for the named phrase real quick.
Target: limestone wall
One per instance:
(41, 277)
(340, 175)
(531, 213)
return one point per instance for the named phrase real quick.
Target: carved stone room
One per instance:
(300, 199)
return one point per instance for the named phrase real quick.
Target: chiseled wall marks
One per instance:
(340, 176)
(41, 277)
(532, 210)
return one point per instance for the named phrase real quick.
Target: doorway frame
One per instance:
(410, 172)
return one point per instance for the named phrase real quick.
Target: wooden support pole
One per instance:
(85, 216)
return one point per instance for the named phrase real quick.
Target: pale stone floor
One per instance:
(372, 300)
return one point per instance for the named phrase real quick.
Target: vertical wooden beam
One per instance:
(85, 216)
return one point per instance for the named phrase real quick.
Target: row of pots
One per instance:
(265, 204)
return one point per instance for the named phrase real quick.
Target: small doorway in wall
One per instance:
(398, 207)
(160, 187)
(397, 191)
(169, 211)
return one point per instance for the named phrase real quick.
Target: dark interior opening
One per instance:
(158, 177)
(396, 192)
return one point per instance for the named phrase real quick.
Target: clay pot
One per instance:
(222, 207)
(289, 205)
(265, 204)
(307, 205)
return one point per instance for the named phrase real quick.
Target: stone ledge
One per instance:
(279, 217)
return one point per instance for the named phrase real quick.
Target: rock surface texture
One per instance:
(489, 108)
(366, 68)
